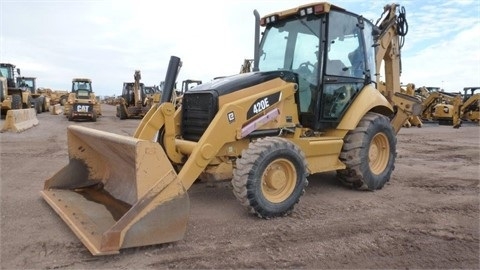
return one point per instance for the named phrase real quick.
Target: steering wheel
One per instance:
(304, 68)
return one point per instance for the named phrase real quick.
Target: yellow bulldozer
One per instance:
(265, 130)
(82, 104)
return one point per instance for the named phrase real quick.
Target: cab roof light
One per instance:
(317, 9)
(268, 20)
(306, 11)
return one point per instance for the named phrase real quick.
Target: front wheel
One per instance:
(16, 102)
(270, 177)
(369, 152)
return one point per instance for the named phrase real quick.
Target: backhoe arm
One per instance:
(136, 88)
(388, 45)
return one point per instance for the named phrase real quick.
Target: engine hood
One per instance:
(226, 85)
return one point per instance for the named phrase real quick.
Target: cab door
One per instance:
(345, 70)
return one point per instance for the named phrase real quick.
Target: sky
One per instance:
(107, 40)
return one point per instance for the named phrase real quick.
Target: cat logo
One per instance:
(82, 108)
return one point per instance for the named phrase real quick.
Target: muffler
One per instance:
(118, 192)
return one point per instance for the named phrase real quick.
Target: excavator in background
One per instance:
(135, 101)
(82, 103)
(265, 131)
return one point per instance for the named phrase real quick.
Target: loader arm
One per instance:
(198, 155)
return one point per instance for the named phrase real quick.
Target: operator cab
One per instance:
(331, 53)
(128, 92)
(82, 89)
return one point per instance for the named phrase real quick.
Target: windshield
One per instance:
(82, 85)
(290, 44)
(5, 72)
(26, 83)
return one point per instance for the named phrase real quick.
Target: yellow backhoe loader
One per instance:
(470, 107)
(266, 130)
(133, 103)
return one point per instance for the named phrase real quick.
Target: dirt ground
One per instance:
(426, 217)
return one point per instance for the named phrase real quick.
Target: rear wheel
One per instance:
(369, 152)
(29, 103)
(122, 112)
(270, 177)
(38, 103)
(63, 100)
(94, 117)
(44, 105)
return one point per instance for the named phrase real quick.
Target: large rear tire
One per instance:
(369, 152)
(122, 112)
(38, 103)
(44, 105)
(270, 177)
(63, 100)
(28, 104)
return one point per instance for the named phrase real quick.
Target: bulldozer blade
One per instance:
(118, 192)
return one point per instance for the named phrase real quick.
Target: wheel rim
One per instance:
(378, 153)
(278, 180)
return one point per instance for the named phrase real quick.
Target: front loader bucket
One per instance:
(118, 192)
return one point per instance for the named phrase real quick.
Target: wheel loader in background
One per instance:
(14, 90)
(266, 130)
(8, 101)
(55, 96)
(15, 101)
(40, 101)
(135, 101)
(82, 103)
